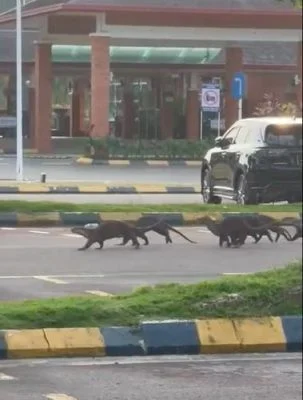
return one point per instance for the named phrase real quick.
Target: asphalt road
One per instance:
(255, 377)
(67, 170)
(39, 263)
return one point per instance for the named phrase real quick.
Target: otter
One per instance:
(297, 224)
(109, 230)
(160, 226)
(234, 229)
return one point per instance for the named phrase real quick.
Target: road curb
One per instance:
(150, 338)
(92, 188)
(145, 163)
(29, 154)
(61, 219)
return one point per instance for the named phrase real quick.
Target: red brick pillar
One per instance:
(43, 97)
(31, 116)
(299, 72)
(100, 84)
(193, 109)
(233, 64)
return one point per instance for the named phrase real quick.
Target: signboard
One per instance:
(238, 86)
(210, 97)
(8, 122)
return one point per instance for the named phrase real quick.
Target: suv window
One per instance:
(243, 135)
(284, 135)
(231, 136)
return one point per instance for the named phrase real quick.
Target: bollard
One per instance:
(43, 177)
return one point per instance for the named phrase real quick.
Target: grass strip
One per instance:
(262, 294)
(47, 206)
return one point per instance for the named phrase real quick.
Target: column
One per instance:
(299, 72)
(233, 64)
(43, 98)
(100, 84)
(193, 109)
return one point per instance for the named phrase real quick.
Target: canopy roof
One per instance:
(148, 55)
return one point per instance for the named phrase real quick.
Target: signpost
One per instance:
(19, 134)
(238, 90)
(210, 102)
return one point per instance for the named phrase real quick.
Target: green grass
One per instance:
(46, 206)
(261, 294)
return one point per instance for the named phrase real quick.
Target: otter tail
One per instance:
(180, 233)
(265, 226)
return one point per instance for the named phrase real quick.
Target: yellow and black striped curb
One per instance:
(147, 163)
(150, 338)
(59, 219)
(94, 188)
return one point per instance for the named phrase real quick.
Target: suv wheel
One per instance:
(243, 196)
(207, 195)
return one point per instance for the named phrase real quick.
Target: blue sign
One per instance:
(238, 87)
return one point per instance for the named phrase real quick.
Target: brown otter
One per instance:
(238, 227)
(109, 230)
(160, 226)
(297, 224)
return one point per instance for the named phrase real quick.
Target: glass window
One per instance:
(231, 136)
(284, 135)
(243, 135)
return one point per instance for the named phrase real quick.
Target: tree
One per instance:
(271, 106)
(296, 3)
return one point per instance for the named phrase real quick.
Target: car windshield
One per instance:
(284, 135)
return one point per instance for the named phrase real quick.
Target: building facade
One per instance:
(135, 69)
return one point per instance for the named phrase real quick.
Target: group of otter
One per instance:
(232, 230)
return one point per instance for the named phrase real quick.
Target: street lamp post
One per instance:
(19, 94)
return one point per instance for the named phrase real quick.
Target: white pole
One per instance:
(19, 135)
(219, 123)
(201, 124)
(240, 106)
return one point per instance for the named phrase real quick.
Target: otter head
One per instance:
(80, 230)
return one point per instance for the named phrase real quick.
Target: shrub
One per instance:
(171, 149)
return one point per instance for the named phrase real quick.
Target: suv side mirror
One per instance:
(218, 141)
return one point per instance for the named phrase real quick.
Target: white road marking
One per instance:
(40, 232)
(84, 276)
(4, 377)
(71, 235)
(8, 229)
(50, 280)
(59, 396)
(203, 231)
(99, 293)
(237, 273)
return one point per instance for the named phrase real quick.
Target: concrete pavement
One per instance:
(109, 198)
(67, 170)
(40, 263)
(254, 377)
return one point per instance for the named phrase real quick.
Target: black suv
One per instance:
(256, 160)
